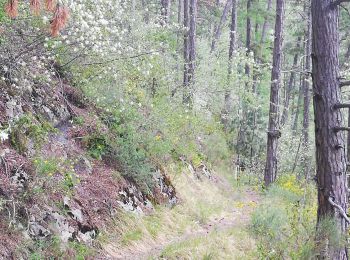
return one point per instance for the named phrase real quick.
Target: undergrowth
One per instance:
(284, 223)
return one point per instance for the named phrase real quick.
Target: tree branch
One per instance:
(341, 128)
(341, 211)
(341, 105)
(344, 83)
(338, 2)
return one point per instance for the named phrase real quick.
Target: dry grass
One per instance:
(209, 223)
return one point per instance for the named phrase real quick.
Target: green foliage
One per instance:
(81, 251)
(124, 146)
(70, 179)
(153, 225)
(329, 234)
(46, 167)
(54, 249)
(131, 236)
(26, 129)
(97, 145)
(284, 221)
(61, 171)
(2, 11)
(78, 120)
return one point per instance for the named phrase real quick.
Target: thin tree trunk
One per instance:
(190, 11)
(165, 11)
(347, 54)
(348, 155)
(266, 22)
(146, 14)
(330, 144)
(273, 131)
(297, 111)
(290, 84)
(233, 33)
(306, 87)
(218, 28)
(179, 34)
(248, 34)
(186, 23)
(233, 38)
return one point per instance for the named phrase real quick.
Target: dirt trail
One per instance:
(239, 216)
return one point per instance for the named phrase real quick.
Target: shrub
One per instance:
(29, 128)
(284, 223)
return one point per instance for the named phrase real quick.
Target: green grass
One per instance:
(133, 235)
(184, 226)
(232, 243)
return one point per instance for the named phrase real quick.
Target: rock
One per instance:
(86, 231)
(129, 202)
(48, 114)
(87, 237)
(13, 110)
(60, 226)
(148, 206)
(77, 215)
(20, 179)
(83, 166)
(37, 231)
(165, 189)
(203, 169)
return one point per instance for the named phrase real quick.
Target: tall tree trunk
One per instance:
(190, 15)
(348, 154)
(218, 28)
(233, 33)
(232, 47)
(248, 42)
(179, 34)
(146, 17)
(165, 11)
(306, 87)
(290, 84)
(273, 132)
(297, 110)
(266, 22)
(186, 23)
(347, 54)
(330, 144)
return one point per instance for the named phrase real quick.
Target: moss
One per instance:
(28, 128)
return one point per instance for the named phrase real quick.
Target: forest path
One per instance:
(227, 235)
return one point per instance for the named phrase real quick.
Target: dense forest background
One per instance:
(124, 123)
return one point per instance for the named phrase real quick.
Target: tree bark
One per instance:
(146, 16)
(232, 47)
(273, 131)
(348, 154)
(306, 87)
(290, 84)
(297, 110)
(330, 145)
(190, 15)
(165, 11)
(233, 33)
(248, 42)
(266, 22)
(218, 29)
(186, 23)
